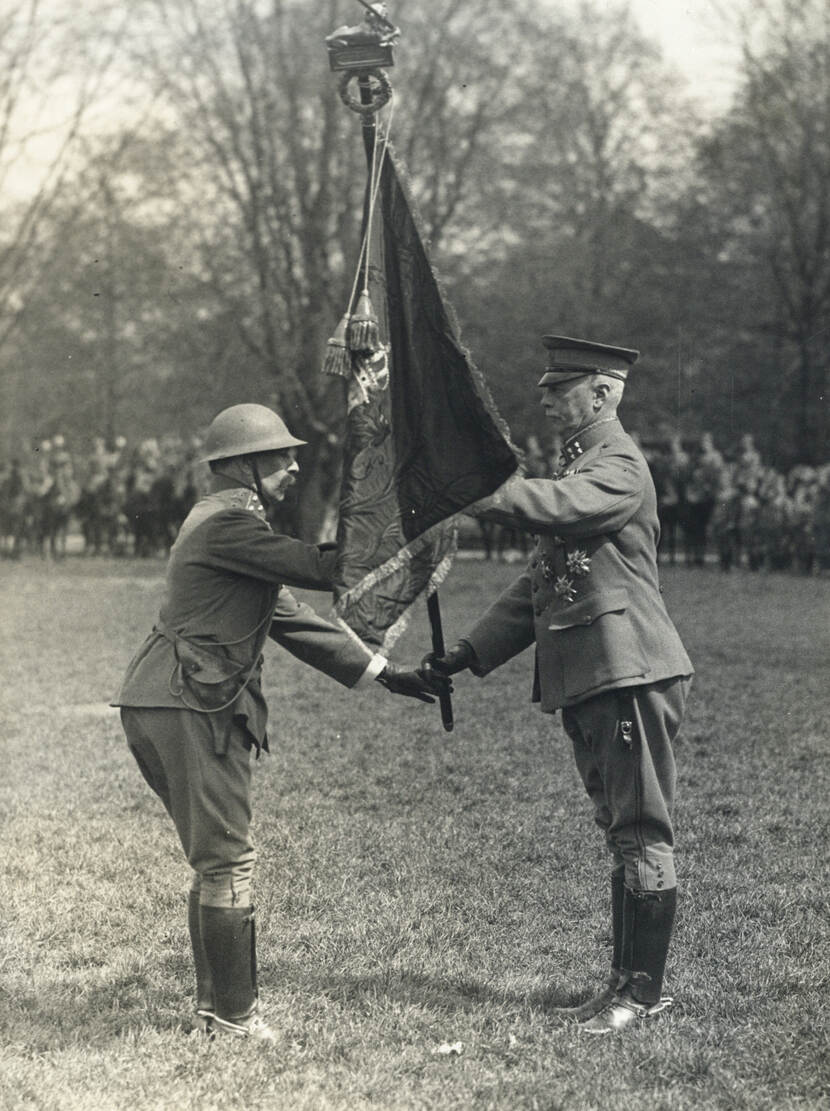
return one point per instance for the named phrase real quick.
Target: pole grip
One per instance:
(445, 699)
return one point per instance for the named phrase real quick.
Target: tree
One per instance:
(606, 153)
(267, 171)
(766, 182)
(52, 71)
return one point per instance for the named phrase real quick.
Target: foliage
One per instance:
(414, 888)
(51, 72)
(767, 168)
(564, 180)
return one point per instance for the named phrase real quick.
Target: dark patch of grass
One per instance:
(414, 888)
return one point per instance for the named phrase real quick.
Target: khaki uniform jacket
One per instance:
(590, 598)
(225, 594)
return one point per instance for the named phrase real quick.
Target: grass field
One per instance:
(416, 890)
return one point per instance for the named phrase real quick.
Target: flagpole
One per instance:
(348, 53)
(445, 698)
(433, 607)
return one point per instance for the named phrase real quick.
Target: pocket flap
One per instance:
(587, 610)
(204, 666)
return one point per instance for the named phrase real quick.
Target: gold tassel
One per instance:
(364, 334)
(338, 360)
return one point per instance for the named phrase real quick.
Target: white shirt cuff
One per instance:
(373, 669)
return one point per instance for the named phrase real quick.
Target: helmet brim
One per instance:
(279, 443)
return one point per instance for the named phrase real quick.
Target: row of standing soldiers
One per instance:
(132, 501)
(748, 514)
(739, 511)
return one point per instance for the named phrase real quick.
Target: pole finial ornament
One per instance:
(362, 52)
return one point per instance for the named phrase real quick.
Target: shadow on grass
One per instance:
(413, 989)
(50, 1019)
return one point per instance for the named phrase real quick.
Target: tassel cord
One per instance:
(338, 357)
(374, 187)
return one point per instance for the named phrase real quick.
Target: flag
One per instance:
(423, 439)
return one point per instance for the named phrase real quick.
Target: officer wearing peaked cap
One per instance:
(607, 654)
(191, 701)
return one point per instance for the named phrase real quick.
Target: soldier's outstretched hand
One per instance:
(414, 682)
(458, 658)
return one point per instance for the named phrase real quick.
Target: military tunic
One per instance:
(191, 699)
(607, 652)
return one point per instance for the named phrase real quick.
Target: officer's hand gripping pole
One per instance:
(445, 698)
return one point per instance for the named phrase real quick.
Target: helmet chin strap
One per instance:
(258, 480)
(257, 485)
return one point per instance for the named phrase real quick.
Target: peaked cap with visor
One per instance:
(574, 358)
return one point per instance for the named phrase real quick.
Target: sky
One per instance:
(692, 39)
(687, 31)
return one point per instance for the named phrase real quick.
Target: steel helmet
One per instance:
(246, 430)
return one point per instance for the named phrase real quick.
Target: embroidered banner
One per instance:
(424, 440)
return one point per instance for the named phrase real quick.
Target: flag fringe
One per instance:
(393, 565)
(400, 625)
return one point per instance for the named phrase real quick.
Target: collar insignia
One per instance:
(570, 451)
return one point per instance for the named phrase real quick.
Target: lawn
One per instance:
(421, 897)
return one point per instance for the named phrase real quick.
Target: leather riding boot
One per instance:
(648, 919)
(229, 943)
(593, 1006)
(229, 938)
(204, 980)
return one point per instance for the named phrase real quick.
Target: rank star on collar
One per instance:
(580, 443)
(570, 451)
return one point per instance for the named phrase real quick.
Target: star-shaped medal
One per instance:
(578, 562)
(565, 588)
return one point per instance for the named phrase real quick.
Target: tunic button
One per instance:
(659, 883)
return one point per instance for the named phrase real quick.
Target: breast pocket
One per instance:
(597, 642)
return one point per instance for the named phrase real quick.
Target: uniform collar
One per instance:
(587, 438)
(240, 497)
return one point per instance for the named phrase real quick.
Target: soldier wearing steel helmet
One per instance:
(191, 701)
(607, 654)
